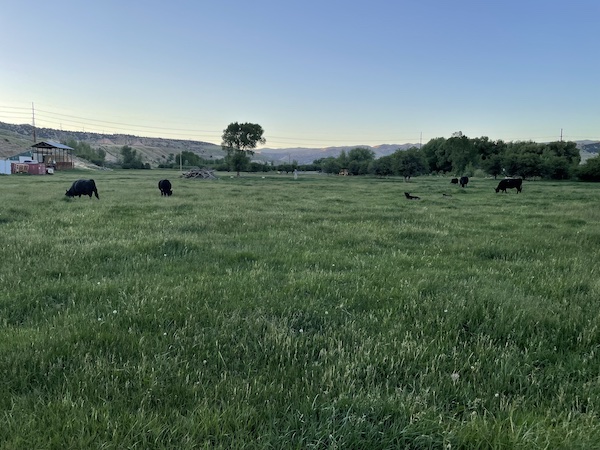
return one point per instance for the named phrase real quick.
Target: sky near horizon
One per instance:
(312, 73)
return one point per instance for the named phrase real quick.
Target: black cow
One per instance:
(463, 181)
(509, 183)
(83, 187)
(454, 181)
(165, 187)
(411, 197)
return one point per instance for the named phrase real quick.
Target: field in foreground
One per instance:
(323, 312)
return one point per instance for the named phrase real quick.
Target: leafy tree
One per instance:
(590, 170)
(555, 167)
(459, 151)
(239, 140)
(522, 158)
(343, 160)
(260, 167)
(566, 150)
(435, 155)
(131, 160)
(409, 163)
(383, 166)
(85, 151)
(359, 159)
(361, 154)
(559, 160)
(188, 158)
(490, 156)
(330, 165)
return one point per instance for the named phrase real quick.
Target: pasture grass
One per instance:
(324, 312)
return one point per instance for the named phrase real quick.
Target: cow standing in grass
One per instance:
(83, 187)
(463, 181)
(165, 188)
(510, 183)
(454, 181)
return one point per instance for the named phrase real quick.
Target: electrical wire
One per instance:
(58, 120)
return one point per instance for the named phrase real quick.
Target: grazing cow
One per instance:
(509, 183)
(454, 181)
(82, 187)
(411, 197)
(165, 187)
(463, 181)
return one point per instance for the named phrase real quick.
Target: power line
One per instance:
(57, 120)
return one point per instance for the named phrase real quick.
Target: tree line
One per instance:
(463, 156)
(458, 155)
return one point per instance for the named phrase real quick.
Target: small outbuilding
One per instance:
(54, 155)
(19, 164)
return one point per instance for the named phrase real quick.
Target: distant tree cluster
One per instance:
(361, 161)
(85, 151)
(188, 159)
(460, 155)
(131, 160)
(590, 171)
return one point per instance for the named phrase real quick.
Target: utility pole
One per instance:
(561, 135)
(33, 122)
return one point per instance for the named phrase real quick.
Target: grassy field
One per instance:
(318, 313)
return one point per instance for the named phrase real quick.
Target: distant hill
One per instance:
(15, 139)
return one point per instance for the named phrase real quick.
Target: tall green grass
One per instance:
(323, 312)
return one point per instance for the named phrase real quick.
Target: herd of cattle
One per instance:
(506, 183)
(88, 187)
(462, 181)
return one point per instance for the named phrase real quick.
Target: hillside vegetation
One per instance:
(322, 312)
(18, 138)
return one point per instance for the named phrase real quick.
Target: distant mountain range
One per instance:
(15, 139)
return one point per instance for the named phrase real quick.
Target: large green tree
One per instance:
(435, 154)
(409, 163)
(383, 166)
(359, 159)
(239, 140)
(131, 159)
(590, 171)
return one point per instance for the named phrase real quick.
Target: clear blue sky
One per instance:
(312, 73)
